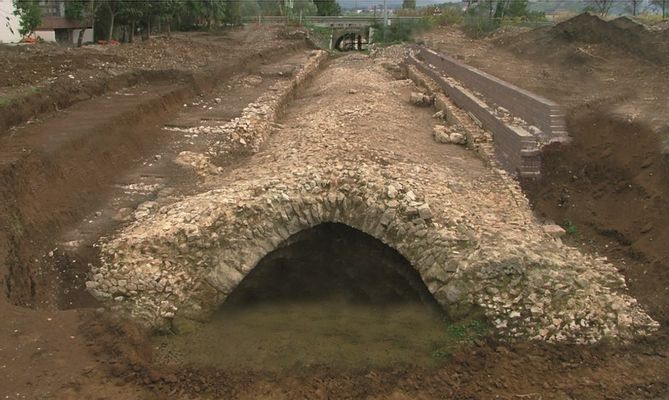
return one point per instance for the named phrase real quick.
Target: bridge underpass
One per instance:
(347, 32)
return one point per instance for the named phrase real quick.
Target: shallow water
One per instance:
(300, 335)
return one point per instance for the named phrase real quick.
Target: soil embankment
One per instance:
(610, 188)
(610, 184)
(60, 169)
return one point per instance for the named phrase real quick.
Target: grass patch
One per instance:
(400, 32)
(457, 335)
(570, 228)
(8, 100)
(16, 225)
(5, 101)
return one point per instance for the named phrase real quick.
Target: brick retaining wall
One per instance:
(534, 109)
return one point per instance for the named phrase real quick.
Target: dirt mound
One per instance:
(611, 185)
(622, 34)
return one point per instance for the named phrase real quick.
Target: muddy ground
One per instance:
(49, 352)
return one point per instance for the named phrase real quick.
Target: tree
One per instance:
(303, 7)
(634, 5)
(327, 7)
(84, 11)
(113, 7)
(409, 4)
(249, 8)
(130, 12)
(233, 12)
(603, 6)
(271, 7)
(30, 16)
(662, 5)
(168, 10)
(511, 8)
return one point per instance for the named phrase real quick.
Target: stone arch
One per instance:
(271, 225)
(183, 260)
(350, 41)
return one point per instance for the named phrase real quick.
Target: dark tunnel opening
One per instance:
(351, 41)
(330, 296)
(332, 261)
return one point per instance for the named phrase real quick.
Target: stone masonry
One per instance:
(353, 150)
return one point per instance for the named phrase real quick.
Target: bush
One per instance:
(399, 32)
(479, 25)
(448, 16)
(478, 20)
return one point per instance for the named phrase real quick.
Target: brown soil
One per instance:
(58, 170)
(572, 66)
(45, 77)
(612, 185)
(80, 354)
(611, 182)
(622, 33)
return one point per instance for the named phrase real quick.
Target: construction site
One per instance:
(271, 211)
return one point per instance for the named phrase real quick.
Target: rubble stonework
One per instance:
(246, 133)
(470, 235)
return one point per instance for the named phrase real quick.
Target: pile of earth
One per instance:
(610, 189)
(572, 39)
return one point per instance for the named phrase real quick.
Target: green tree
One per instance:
(250, 8)
(233, 12)
(327, 7)
(409, 4)
(662, 5)
(511, 8)
(303, 7)
(168, 10)
(130, 12)
(113, 9)
(30, 16)
(271, 7)
(84, 11)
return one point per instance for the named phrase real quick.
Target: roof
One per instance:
(49, 23)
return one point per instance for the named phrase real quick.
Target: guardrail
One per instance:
(335, 21)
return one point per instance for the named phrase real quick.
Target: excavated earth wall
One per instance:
(355, 152)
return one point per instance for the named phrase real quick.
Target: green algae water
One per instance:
(291, 336)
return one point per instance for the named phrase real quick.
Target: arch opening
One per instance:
(351, 41)
(332, 261)
(328, 295)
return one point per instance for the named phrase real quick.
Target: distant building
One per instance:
(56, 28)
(9, 23)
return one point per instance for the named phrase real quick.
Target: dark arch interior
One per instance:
(328, 296)
(330, 261)
(350, 41)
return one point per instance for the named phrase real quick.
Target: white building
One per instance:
(9, 23)
(54, 27)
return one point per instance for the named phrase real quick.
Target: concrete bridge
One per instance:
(337, 21)
(371, 164)
(347, 32)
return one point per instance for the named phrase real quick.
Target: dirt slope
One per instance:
(611, 185)
(622, 33)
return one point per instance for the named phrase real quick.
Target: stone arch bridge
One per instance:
(347, 32)
(466, 229)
